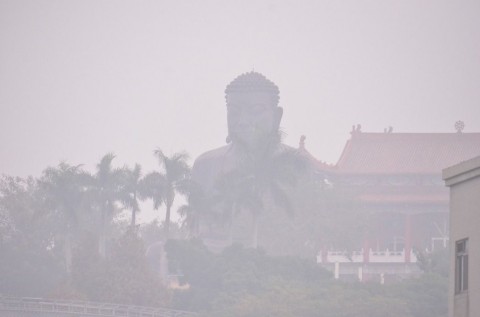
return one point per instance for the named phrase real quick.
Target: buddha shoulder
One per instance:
(212, 159)
(213, 155)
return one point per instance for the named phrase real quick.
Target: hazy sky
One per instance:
(82, 78)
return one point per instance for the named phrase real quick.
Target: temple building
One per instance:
(397, 180)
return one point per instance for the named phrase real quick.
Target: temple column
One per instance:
(366, 250)
(408, 237)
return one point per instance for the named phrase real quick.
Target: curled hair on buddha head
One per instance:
(253, 82)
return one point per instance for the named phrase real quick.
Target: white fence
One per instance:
(43, 307)
(385, 256)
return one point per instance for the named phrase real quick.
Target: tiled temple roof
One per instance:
(406, 153)
(396, 156)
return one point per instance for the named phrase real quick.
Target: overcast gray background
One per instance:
(79, 79)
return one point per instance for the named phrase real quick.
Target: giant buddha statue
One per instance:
(253, 118)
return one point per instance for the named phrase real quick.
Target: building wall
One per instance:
(464, 182)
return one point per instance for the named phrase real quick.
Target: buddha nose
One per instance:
(245, 117)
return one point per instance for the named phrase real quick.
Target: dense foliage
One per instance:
(60, 237)
(247, 282)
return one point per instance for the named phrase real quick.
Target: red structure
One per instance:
(396, 177)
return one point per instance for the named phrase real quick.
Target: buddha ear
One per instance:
(278, 113)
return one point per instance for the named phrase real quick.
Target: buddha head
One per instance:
(253, 114)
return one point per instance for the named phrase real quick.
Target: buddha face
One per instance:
(251, 117)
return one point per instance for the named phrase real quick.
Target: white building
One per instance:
(464, 288)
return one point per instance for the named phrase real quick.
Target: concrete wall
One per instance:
(464, 182)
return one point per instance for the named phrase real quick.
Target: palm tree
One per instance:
(261, 180)
(107, 191)
(168, 182)
(153, 186)
(199, 206)
(131, 190)
(65, 189)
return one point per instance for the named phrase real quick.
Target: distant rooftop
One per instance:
(406, 153)
(403, 153)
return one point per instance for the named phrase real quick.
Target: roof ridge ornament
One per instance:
(459, 126)
(301, 143)
(356, 129)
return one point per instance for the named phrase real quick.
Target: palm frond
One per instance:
(153, 186)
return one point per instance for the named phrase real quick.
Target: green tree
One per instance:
(241, 282)
(29, 264)
(131, 190)
(65, 189)
(7, 227)
(262, 180)
(19, 201)
(198, 207)
(437, 262)
(125, 277)
(106, 192)
(218, 281)
(426, 296)
(164, 185)
(328, 217)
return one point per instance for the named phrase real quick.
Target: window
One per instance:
(461, 266)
